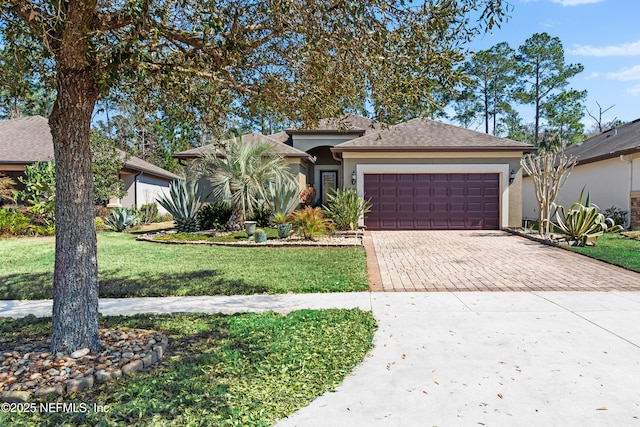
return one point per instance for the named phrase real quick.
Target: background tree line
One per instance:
(536, 75)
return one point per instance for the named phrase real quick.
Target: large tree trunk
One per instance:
(75, 283)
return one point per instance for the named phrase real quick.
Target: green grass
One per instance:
(130, 268)
(239, 370)
(615, 249)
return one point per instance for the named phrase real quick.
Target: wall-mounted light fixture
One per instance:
(512, 176)
(353, 178)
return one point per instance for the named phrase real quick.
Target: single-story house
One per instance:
(608, 168)
(28, 140)
(420, 174)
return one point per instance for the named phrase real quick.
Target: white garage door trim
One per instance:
(502, 169)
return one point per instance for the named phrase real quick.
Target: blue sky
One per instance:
(602, 35)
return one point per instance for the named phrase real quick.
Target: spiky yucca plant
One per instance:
(184, 202)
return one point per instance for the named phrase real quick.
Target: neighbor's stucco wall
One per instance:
(390, 162)
(148, 189)
(608, 183)
(129, 199)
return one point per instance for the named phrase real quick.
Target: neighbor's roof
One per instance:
(28, 140)
(423, 134)
(275, 140)
(624, 139)
(351, 124)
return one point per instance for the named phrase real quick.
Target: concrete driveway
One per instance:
(492, 359)
(485, 261)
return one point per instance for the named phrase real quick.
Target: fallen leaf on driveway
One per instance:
(500, 395)
(601, 409)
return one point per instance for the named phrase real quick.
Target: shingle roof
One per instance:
(28, 140)
(624, 139)
(423, 134)
(349, 123)
(276, 141)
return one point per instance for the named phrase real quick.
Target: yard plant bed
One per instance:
(614, 249)
(239, 238)
(240, 370)
(128, 268)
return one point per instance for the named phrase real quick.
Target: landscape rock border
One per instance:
(30, 370)
(342, 239)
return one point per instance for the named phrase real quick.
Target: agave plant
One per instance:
(345, 208)
(583, 222)
(184, 202)
(121, 218)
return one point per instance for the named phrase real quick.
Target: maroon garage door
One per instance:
(433, 201)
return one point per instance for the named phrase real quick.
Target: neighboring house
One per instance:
(420, 174)
(608, 169)
(28, 140)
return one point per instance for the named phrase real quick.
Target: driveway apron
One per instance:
(492, 359)
(487, 261)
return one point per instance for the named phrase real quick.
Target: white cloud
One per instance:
(625, 74)
(576, 2)
(625, 49)
(634, 90)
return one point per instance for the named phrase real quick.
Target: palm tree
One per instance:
(241, 172)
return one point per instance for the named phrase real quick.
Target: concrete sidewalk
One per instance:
(461, 358)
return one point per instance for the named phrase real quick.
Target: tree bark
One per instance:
(75, 282)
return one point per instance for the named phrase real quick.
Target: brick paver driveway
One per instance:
(487, 261)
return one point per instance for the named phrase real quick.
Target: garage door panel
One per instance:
(432, 201)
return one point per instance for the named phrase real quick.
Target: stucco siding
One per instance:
(148, 189)
(608, 183)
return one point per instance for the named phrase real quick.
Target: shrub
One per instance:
(310, 222)
(121, 218)
(618, 215)
(261, 214)
(40, 191)
(99, 223)
(184, 202)
(583, 222)
(102, 211)
(148, 213)
(214, 215)
(345, 208)
(308, 196)
(13, 223)
(7, 192)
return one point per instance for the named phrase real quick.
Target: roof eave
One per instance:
(388, 148)
(357, 132)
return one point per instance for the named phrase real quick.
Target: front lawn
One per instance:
(129, 268)
(615, 249)
(239, 370)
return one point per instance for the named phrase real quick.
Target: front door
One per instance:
(328, 184)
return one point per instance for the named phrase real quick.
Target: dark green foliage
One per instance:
(148, 213)
(261, 213)
(107, 163)
(121, 218)
(214, 216)
(40, 191)
(618, 215)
